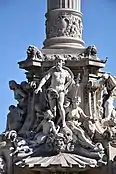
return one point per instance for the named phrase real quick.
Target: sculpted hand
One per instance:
(37, 90)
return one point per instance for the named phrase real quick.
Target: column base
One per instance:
(63, 42)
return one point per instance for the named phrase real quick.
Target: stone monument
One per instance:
(64, 120)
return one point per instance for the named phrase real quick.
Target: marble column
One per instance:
(64, 24)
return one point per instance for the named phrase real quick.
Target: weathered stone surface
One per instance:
(64, 25)
(65, 119)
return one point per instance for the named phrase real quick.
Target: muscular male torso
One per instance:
(58, 80)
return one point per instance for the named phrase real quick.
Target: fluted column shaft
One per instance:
(64, 24)
(72, 4)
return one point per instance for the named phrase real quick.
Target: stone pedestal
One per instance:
(104, 170)
(88, 67)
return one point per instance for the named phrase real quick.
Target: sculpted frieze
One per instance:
(69, 57)
(64, 24)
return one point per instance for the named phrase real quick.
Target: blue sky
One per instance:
(22, 24)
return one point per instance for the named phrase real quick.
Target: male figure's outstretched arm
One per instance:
(43, 81)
